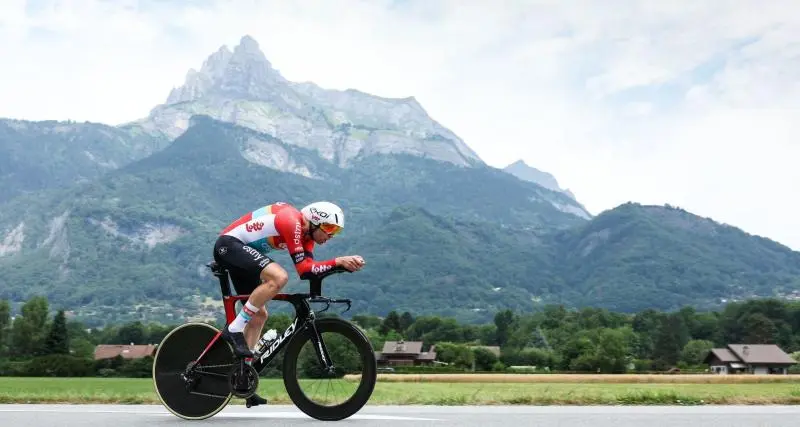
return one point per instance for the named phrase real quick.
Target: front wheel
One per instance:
(188, 390)
(352, 380)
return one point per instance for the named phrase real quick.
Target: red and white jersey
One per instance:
(276, 227)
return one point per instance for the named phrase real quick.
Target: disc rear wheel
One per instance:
(187, 390)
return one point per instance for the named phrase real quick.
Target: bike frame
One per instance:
(304, 317)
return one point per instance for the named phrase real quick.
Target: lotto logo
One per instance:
(256, 226)
(320, 268)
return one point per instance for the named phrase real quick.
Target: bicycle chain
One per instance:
(213, 366)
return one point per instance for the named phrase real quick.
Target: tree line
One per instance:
(599, 340)
(554, 339)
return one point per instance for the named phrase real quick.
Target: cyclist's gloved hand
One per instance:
(351, 262)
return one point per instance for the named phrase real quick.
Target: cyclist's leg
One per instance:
(245, 265)
(260, 277)
(257, 318)
(273, 278)
(252, 330)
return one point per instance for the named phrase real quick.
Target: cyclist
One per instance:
(242, 249)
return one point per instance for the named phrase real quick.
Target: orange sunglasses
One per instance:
(330, 229)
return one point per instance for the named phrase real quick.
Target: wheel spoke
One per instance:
(329, 395)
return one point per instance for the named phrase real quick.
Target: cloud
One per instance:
(689, 103)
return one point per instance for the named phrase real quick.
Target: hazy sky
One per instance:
(696, 104)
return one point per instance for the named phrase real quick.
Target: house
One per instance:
(127, 351)
(406, 353)
(758, 359)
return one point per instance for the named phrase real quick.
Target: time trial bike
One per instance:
(196, 373)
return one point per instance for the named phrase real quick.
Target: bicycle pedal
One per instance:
(255, 400)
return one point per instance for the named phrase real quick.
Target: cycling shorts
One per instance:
(242, 262)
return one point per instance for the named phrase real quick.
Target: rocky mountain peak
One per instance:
(214, 66)
(525, 172)
(243, 72)
(248, 44)
(240, 86)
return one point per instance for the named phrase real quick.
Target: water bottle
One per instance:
(267, 337)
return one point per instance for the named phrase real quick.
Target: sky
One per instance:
(694, 104)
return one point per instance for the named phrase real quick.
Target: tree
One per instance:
(57, 341)
(705, 326)
(695, 351)
(28, 330)
(759, 329)
(672, 336)
(646, 324)
(553, 316)
(602, 350)
(458, 355)
(391, 323)
(367, 321)
(447, 329)
(503, 320)
(81, 347)
(538, 357)
(484, 359)
(613, 348)
(422, 326)
(5, 320)
(133, 332)
(406, 320)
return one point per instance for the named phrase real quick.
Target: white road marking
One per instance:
(83, 411)
(223, 414)
(302, 415)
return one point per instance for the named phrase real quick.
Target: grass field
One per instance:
(593, 378)
(567, 391)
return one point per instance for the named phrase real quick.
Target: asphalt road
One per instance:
(468, 416)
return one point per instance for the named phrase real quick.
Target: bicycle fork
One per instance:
(320, 349)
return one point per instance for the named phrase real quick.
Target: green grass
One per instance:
(140, 390)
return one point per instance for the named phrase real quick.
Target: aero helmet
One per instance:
(325, 215)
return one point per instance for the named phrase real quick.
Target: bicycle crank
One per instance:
(243, 380)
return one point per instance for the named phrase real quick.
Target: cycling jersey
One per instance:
(276, 227)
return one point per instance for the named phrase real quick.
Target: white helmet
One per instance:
(326, 215)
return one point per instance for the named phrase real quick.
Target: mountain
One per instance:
(243, 88)
(523, 171)
(50, 154)
(635, 257)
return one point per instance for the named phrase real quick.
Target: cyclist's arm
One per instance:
(289, 226)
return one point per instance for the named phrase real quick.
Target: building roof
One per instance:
(406, 349)
(751, 353)
(761, 353)
(127, 351)
(402, 347)
(428, 355)
(724, 355)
